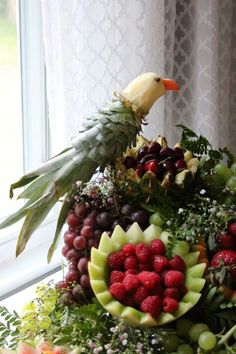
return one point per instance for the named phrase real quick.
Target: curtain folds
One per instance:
(95, 47)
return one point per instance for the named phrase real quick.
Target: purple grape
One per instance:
(139, 216)
(104, 220)
(127, 209)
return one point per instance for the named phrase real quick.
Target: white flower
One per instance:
(202, 191)
(180, 210)
(124, 341)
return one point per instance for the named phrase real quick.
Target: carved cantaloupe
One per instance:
(99, 276)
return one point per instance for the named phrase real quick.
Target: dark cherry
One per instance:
(180, 165)
(178, 153)
(166, 152)
(154, 148)
(148, 158)
(142, 152)
(169, 166)
(152, 166)
(130, 162)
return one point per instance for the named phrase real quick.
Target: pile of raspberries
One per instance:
(142, 277)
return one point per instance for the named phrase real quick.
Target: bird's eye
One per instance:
(158, 79)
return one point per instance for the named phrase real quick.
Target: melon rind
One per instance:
(98, 272)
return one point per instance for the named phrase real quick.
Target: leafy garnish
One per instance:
(200, 145)
(9, 333)
(211, 310)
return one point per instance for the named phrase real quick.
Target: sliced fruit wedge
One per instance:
(99, 275)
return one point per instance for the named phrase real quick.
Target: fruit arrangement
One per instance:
(149, 259)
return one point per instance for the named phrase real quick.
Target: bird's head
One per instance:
(143, 91)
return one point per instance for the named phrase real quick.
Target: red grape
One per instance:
(73, 220)
(83, 265)
(69, 238)
(81, 210)
(72, 276)
(87, 231)
(65, 249)
(73, 255)
(62, 284)
(79, 242)
(85, 281)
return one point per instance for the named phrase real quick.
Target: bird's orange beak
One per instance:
(170, 85)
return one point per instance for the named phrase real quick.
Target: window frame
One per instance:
(31, 266)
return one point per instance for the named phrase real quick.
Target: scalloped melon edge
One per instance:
(98, 272)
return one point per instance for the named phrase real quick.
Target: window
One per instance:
(24, 140)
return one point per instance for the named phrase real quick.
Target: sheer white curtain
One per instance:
(95, 47)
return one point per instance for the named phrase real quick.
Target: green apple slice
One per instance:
(99, 275)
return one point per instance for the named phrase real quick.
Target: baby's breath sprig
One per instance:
(203, 217)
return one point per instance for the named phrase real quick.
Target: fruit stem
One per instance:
(227, 336)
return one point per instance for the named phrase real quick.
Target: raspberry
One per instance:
(130, 282)
(152, 305)
(172, 293)
(160, 263)
(118, 291)
(169, 304)
(131, 263)
(145, 266)
(149, 279)
(142, 252)
(116, 277)
(131, 271)
(128, 250)
(158, 247)
(116, 260)
(173, 278)
(140, 294)
(177, 263)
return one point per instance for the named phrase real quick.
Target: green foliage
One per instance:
(199, 145)
(88, 327)
(9, 333)
(212, 310)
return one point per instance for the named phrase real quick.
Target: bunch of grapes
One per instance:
(86, 221)
(222, 179)
(157, 159)
(190, 338)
